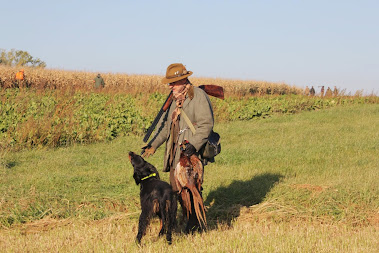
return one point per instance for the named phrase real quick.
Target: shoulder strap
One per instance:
(189, 123)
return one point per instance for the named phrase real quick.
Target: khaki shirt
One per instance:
(199, 111)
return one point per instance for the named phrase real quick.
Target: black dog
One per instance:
(157, 197)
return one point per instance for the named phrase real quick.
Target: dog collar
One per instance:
(151, 175)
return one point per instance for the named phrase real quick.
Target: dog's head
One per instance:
(142, 169)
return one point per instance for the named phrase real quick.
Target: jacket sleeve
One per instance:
(161, 133)
(203, 118)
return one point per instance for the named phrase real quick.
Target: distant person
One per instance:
(312, 91)
(19, 78)
(99, 82)
(20, 75)
(322, 91)
(306, 91)
(328, 92)
(335, 91)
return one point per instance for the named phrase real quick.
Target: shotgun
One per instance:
(165, 106)
(212, 90)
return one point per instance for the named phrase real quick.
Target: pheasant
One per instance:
(189, 178)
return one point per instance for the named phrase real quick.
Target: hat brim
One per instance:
(166, 80)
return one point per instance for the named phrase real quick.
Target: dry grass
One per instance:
(116, 234)
(273, 211)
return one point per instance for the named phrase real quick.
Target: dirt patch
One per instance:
(44, 224)
(315, 189)
(49, 223)
(374, 219)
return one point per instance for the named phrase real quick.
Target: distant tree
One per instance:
(19, 58)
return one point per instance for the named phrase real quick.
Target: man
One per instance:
(19, 79)
(322, 91)
(20, 75)
(312, 92)
(99, 82)
(328, 92)
(172, 128)
(335, 92)
(306, 91)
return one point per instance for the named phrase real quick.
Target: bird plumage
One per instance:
(189, 178)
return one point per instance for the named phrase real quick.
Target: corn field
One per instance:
(59, 108)
(39, 78)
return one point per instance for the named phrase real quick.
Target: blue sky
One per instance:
(331, 43)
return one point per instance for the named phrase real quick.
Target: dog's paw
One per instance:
(138, 241)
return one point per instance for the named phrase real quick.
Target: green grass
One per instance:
(336, 150)
(312, 175)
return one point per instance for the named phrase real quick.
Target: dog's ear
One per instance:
(137, 178)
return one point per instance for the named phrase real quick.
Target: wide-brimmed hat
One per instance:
(176, 72)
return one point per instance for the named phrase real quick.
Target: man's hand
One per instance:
(188, 148)
(147, 151)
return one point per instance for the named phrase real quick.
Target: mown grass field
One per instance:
(292, 183)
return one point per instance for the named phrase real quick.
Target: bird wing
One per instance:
(198, 170)
(180, 176)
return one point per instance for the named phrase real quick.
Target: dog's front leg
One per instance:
(162, 229)
(162, 216)
(171, 217)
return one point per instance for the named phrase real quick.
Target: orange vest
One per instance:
(20, 75)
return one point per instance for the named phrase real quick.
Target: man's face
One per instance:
(178, 85)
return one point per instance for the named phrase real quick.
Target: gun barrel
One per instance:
(165, 106)
(152, 127)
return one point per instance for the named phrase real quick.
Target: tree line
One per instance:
(19, 58)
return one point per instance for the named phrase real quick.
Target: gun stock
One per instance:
(213, 90)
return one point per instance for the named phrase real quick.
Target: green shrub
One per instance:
(35, 118)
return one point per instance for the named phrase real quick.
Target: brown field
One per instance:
(117, 234)
(116, 82)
